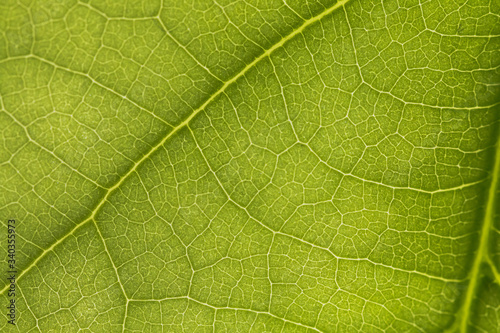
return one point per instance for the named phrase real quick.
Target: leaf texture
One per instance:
(252, 166)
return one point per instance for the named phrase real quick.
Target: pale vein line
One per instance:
(482, 251)
(88, 76)
(415, 189)
(178, 127)
(182, 46)
(154, 18)
(494, 269)
(189, 298)
(429, 276)
(110, 259)
(53, 154)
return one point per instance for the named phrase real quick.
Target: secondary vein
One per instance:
(264, 55)
(482, 251)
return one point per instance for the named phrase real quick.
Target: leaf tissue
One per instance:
(250, 166)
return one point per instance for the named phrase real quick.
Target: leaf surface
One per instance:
(263, 166)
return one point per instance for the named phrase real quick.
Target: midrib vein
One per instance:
(482, 252)
(264, 55)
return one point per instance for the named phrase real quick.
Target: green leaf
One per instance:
(251, 166)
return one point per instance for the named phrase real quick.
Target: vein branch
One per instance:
(213, 97)
(482, 252)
